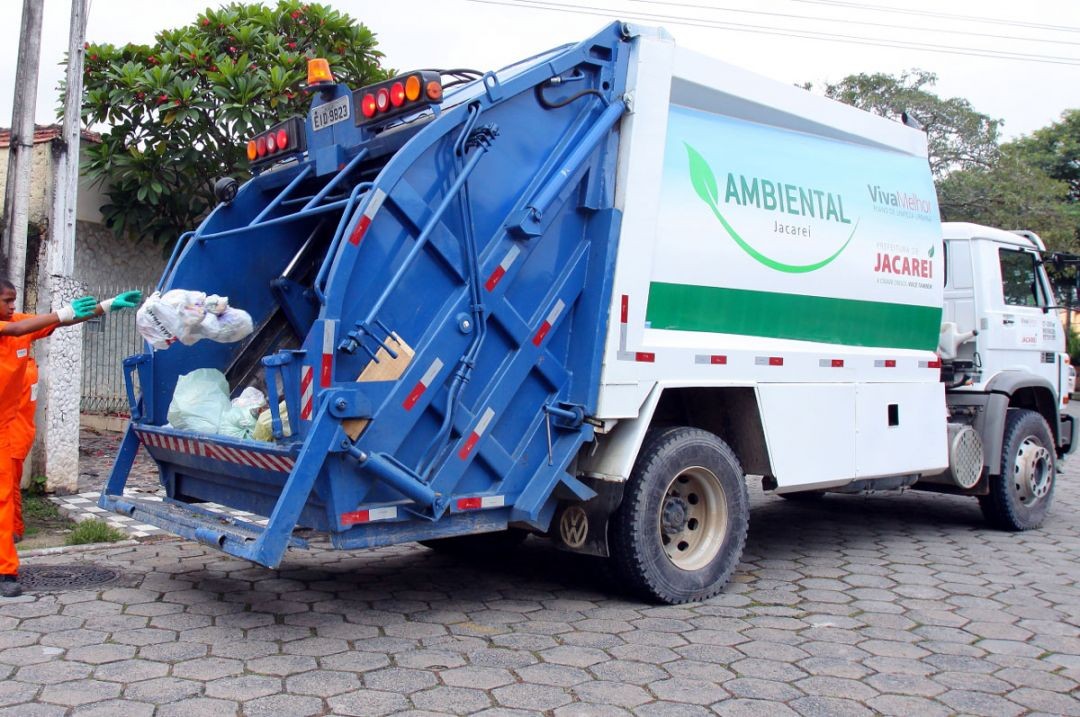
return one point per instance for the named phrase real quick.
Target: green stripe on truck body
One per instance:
(684, 307)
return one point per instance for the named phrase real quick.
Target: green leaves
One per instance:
(180, 111)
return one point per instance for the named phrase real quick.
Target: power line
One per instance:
(782, 32)
(944, 15)
(889, 25)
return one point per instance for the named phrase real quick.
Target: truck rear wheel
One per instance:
(1020, 496)
(680, 529)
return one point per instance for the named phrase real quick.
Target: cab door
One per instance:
(1019, 329)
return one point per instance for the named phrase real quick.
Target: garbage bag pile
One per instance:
(188, 317)
(201, 403)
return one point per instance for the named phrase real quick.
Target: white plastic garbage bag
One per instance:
(239, 421)
(188, 317)
(200, 400)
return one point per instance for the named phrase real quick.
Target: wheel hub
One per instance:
(1032, 472)
(675, 516)
(693, 518)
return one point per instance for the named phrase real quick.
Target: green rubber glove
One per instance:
(123, 300)
(81, 308)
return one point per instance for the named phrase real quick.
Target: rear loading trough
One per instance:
(430, 298)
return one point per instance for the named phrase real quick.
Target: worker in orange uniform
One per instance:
(17, 333)
(22, 437)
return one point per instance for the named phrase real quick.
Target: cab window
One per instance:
(1020, 279)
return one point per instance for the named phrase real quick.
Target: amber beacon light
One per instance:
(318, 72)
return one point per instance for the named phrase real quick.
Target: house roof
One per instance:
(47, 133)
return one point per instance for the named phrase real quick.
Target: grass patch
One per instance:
(41, 514)
(94, 531)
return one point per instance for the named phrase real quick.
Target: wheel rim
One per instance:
(693, 518)
(1033, 472)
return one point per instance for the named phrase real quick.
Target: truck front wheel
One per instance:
(680, 529)
(1020, 496)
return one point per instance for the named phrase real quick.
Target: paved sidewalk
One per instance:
(902, 605)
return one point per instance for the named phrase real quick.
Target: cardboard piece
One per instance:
(386, 368)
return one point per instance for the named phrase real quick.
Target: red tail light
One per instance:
(282, 140)
(408, 93)
(397, 94)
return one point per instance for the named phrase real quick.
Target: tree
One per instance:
(1014, 193)
(1056, 150)
(958, 136)
(181, 110)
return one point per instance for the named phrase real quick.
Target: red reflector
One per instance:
(776, 360)
(271, 143)
(397, 94)
(356, 516)
(625, 308)
(718, 360)
(838, 363)
(468, 503)
(260, 146)
(933, 364)
(367, 106)
(645, 356)
(382, 100)
(282, 139)
(890, 363)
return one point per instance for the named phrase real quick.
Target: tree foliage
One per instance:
(958, 136)
(180, 111)
(1014, 193)
(1056, 150)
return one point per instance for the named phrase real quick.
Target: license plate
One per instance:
(331, 113)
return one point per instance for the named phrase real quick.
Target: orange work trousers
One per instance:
(9, 492)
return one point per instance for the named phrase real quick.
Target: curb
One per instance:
(64, 549)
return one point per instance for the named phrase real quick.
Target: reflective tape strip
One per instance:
(644, 356)
(477, 502)
(477, 432)
(422, 384)
(365, 219)
(768, 360)
(885, 363)
(502, 268)
(711, 359)
(307, 392)
(366, 516)
(329, 331)
(545, 327)
(624, 314)
(930, 364)
(831, 363)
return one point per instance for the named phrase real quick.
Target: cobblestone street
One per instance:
(900, 605)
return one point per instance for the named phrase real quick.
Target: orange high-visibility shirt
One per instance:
(22, 428)
(14, 359)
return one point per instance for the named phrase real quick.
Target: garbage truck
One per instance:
(589, 296)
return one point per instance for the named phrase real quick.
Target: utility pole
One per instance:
(20, 152)
(62, 223)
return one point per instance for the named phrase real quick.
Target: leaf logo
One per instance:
(705, 186)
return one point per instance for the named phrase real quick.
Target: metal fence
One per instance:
(107, 341)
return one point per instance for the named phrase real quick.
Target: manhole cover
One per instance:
(64, 577)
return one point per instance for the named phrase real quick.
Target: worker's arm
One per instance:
(82, 309)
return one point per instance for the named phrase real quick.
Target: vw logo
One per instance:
(574, 526)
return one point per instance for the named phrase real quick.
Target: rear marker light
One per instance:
(367, 106)
(260, 146)
(412, 88)
(271, 143)
(397, 94)
(282, 139)
(252, 152)
(382, 100)
(434, 91)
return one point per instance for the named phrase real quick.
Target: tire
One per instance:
(680, 529)
(502, 542)
(1021, 495)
